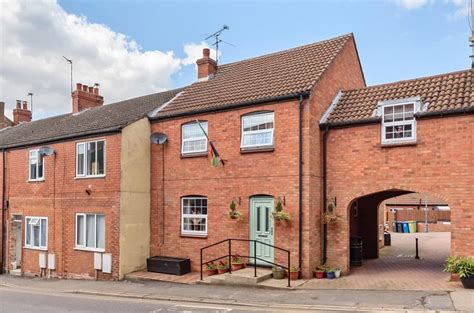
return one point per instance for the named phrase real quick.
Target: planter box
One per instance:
(468, 283)
(168, 265)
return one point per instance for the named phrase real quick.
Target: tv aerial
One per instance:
(470, 19)
(217, 40)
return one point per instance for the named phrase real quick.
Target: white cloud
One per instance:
(34, 35)
(461, 9)
(412, 4)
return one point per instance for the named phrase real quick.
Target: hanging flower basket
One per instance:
(279, 214)
(233, 213)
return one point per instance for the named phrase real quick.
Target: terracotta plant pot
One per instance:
(237, 266)
(319, 274)
(211, 272)
(222, 270)
(294, 275)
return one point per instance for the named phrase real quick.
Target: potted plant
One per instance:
(294, 272)
(222, 267)
(464, 267)
(279, 214)
(211, 269)
(278, 272)
(320, 271)
(237, 262)
(337, 272)
(330, 214)
(330, 274)
(233, 213)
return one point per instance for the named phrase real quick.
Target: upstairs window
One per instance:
(36, 232)
(36, 166)
(193, 138)
(398, 123)
(90, 159)
(257, 130)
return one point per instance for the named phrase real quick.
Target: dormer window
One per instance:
(398, 122)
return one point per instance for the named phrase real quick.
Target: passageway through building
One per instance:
(383, 236)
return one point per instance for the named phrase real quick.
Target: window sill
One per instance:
(89, 177)
(397, 144)
(35, 248)
(257, 149)
(36, 180)
(194, 155)
(194, 236)
(89, 249)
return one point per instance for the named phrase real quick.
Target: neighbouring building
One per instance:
(4, 121)
(296, 131)
(76, 188)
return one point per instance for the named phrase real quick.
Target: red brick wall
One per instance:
(270, 173)
(59, 197)
(344, 73)
(441, 164)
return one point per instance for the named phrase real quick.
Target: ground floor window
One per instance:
(36, 232)
(194, 216)
(90, 231)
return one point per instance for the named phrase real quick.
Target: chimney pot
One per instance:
(2, 109)
(86, 97)
(21, 114)
(78, 86)
(206, 66)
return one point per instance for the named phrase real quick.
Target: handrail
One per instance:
(254, 257)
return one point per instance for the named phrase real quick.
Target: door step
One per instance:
(16, 272)
(244, 277)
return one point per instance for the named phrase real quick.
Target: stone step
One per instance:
(244, 277)
(16, 272)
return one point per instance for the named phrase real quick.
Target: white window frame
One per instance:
(84, 231)
(204, 125)
(38, 157)
(205, 216)
(42, 245)
(251, 132)
(85, 144)
(411, 122)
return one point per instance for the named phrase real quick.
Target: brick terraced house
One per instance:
(296, 130)
(76, 188)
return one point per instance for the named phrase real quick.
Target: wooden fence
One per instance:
(418, 215)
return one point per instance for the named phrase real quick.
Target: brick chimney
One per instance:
(21, 114)
(206, 66)
(85, 97)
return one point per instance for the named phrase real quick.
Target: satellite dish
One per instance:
(46, 150)
(158, 138)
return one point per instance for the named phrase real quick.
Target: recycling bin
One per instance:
(412, 226)
(356, 251)
(406, 229)
(394, 227)
(387, 239)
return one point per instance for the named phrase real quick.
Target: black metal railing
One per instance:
(249, 257)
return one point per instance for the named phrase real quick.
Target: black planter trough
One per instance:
(168, 265)
(468, 282)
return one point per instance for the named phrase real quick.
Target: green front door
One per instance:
(261, 228)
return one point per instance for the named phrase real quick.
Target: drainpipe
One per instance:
(325, 226)
(3, 212)
(300, 174)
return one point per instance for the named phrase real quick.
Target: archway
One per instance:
(396, 261)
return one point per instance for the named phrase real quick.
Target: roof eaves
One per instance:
(114, 129)
(232, 106)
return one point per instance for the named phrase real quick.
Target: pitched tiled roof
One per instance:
(414, 199)
(111, 117)
(444, 92)
(279, 74)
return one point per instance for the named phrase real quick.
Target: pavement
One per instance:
(237, 298)
(398, 269)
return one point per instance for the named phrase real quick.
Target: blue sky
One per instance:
(394, 40)
(133, 48)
